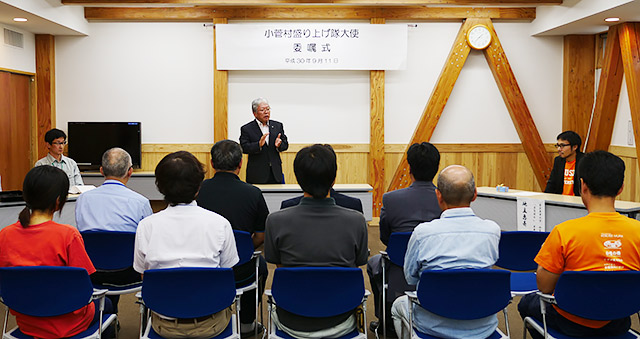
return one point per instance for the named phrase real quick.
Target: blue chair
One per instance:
(516, 253)
(393, 261)
(190, 292)
(111, 251)
(596, 295)
(246, 252)
(463, 294)
(47, 291)
(316, 292)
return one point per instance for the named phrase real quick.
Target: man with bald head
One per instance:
(459, 234)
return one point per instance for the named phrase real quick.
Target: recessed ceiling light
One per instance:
(612, 19)
(20, 19)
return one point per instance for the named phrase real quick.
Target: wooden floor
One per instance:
(130, 311)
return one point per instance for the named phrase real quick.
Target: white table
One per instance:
(9, 212)
(501, 207)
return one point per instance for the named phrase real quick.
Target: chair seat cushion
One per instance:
(91, 332)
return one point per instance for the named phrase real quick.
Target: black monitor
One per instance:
(89, 140)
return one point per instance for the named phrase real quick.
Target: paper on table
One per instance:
(526, 193)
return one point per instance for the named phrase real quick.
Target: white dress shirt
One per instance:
(185, 235)
(264, 129)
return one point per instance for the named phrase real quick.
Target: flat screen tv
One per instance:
(89, 140)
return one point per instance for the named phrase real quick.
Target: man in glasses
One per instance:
(564, 174)
(56, 139)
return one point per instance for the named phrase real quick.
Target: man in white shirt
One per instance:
(56, 139)
(184, 235)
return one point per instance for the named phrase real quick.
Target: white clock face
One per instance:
(479, 37)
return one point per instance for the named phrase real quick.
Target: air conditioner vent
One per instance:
(13, 38)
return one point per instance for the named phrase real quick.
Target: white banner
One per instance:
(531, 216)
(309, 46)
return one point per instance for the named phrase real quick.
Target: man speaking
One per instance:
(263, 140)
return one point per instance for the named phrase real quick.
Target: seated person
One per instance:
(184, 235)
(577, 245)
(55, 140)
(113, 207)
(317, 232)
(36, 240)
(565, 178)
(459, 239)
(245, 208)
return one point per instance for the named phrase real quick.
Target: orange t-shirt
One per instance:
(596, 242)
(569, 174)
(47, 244)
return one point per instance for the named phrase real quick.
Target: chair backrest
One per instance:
(464, 294)
(517, 249)
(397, 247)
(45, 291)
(244, 246)
(318, 291)
(599, 295)
(109, 250)
(188, 292)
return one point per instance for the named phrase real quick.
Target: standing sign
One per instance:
(311, 46)
(531, 214)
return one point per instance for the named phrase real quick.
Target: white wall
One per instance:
(161, 74)
(623, 116)
(18, 59)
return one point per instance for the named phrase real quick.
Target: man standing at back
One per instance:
(113, 207)
(245, 208)
(459, 239)
(402, 210)
(316, 232)
(603, 240)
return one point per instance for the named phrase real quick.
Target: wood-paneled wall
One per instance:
(492, 164)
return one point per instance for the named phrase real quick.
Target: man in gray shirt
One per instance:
(317, 232)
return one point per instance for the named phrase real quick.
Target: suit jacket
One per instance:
(341, 200)
(265, 159)
(403, 209)
(556, 179)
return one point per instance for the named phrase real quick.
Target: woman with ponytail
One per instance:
(36, 240)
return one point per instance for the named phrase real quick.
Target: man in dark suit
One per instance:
(341, 200)
(263, 140)
(564, 178)
(402, 210)
(245, 208)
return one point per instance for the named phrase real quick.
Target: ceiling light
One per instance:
(20, 19)
(612, 19)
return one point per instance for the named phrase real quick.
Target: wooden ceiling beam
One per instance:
(307, 2)
(205, 14)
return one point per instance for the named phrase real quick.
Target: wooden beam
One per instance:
(307, 2)
(604, 112)
(46, 88)
(376, 143)
(437, 101)
(517, 107)
(578, 86)
(220, 93)
(315, 12)
(630, 49)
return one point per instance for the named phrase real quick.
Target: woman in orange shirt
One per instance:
(36, 240)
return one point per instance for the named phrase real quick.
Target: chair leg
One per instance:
(6, 318)
(383, 308)
(257, 292)
(506, 322)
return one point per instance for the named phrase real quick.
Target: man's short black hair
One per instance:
(424, 160)
(54, 134)
(572, 137)
(178, 177)
(226, 155)
(602, 172)
(315, 168)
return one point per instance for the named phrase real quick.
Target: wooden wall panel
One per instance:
(46, 88)
(578, 85)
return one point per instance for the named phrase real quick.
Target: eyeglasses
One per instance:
(59, 143)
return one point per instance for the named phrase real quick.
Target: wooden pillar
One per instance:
(578, 86)
(604, 112)
(45, 88)
(376, 139)
(220, 93)
(630, 49)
